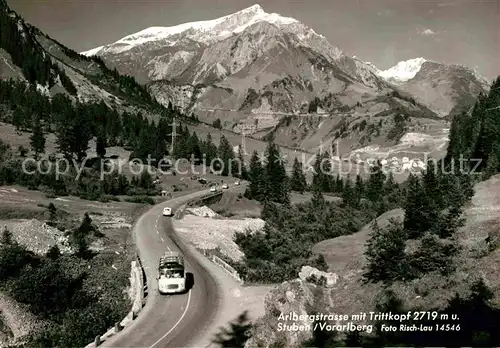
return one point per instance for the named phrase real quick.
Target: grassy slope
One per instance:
(344, 256)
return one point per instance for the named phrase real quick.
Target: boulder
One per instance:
(307, 272)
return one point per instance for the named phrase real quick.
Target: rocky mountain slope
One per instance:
(445, 89)
(264, 74)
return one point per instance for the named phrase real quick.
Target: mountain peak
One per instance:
(254, 9)
(404, 70)
(201, 31)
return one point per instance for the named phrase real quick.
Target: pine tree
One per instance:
(256, 188)
(243, 174)
(37, 139)
(52, 212)
(54, 252)
(101, 146)
(180, 143)
(420, 213)
(322, 172)
(18, 119)
(81, 234)
(209, 150)
(432, 186)
(349, 193)
(434, 254)
(317, 200)
(276, 180)
(226, 154)
(7, 238)
(237, 335)
(385, 254)
(298, 179)
(359, 188)
(375, 184)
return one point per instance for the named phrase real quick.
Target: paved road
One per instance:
(172, 320)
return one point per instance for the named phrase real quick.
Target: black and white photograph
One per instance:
(233, 174)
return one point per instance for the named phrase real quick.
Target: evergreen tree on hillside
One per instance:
(317, 199)
(81, 234)
(434, 254)
(74, 131)
(180, 143)
(276, 180)
(243, 174)
(375, 185)
(101, 146)
(298, 179)
(194, 148)
(489, 129)
(226, 154)
(52, 212)
(18, 118)
(322, 173)
(237, 335)
(359, 188)
(385, 254)
(144, 144)
(37, 138)
(349, 196)
(418, 215)
(159, 148)
(7, 238)
(257, 187)
(209, 150)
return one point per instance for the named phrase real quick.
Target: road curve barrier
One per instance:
(226, 267)
(140, 291)
(222, 264)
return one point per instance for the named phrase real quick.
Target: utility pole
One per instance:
(173, 134)
(174, 126)
(244, 133)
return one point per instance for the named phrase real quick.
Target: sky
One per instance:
(382, 32)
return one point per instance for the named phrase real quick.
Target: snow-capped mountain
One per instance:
(169, 47)
(203, 31)
(441, 87)
(246, 50)
(403, 71)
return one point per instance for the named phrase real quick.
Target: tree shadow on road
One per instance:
(189, 281)
(237, 334)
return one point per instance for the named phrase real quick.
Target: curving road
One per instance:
(168, 320)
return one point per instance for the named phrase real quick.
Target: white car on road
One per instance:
(167, 211)
(224, 186)
(237, 183)
(213, 189)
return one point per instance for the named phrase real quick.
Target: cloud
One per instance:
(385, 13)
(449, 3)
(426, 32)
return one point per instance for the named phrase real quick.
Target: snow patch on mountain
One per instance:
(92, 52)
(403, 71)
(201, 31)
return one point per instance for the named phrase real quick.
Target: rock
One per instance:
(202, 211)
(292, 297)
(307, 272)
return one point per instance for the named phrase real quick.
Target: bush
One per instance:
(277, 253)
(140, 199)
